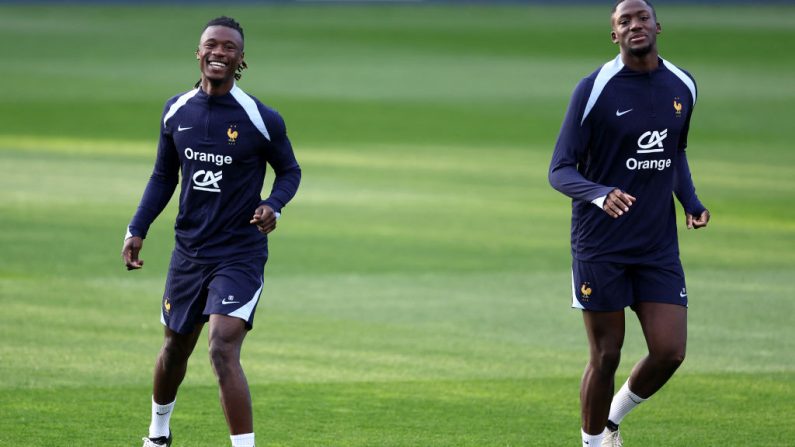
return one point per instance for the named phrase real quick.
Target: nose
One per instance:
(219, 50)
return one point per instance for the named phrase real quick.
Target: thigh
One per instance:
(605, 332)
(235, 289)
(226, 331)
(185, 295)
(600, 286)
(180, 345)
(664, 327)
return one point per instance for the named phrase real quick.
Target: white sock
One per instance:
(244, 440)
(161, 414)
(592, 440)
(623, 402)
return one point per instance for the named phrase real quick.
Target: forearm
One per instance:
(156, 196)
(570, 182)
(684, 189)
(284, 188)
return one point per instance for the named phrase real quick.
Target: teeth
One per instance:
(217, 64)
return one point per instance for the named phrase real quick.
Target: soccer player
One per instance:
(619, 156)
(221, 139)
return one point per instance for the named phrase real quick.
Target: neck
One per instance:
(647, 62)
(216, 88)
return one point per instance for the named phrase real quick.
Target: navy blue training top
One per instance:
(222, 145)
(626, 129)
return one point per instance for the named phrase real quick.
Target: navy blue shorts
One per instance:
(610, 286)
(196, 291)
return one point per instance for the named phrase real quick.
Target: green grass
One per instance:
(418, 287)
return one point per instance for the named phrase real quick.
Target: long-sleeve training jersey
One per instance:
(626, 129)
(222, 145)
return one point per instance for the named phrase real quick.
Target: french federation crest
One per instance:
(585, 291)
(677, 107)
(232, 134)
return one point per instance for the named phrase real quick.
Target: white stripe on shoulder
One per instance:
(251, 109)
(179, 103)
(606, 73)
(683, 77)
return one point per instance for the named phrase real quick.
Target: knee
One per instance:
(606, 361)
(174, 353)
(223, 357)
(669, 359)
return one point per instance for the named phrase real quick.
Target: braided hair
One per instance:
(229, 23)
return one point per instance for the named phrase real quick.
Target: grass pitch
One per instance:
(418, 287)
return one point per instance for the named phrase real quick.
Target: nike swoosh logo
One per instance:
(180, 128)
(682, 295)
(224, 301)
(161, 414)
(624, 112)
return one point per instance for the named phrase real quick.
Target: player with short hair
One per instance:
(619, 156)
(221, 139)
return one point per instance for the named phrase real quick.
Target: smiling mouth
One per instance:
(216, 64)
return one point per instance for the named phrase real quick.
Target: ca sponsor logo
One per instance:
(207, 180)
(652, 141)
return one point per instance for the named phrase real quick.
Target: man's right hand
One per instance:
(617, 203)
(132, 246)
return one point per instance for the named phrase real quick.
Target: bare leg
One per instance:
(226, 339)
(665, 329)
(171, 364)
(605, 337)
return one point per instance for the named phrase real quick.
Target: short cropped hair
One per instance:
(618, 2)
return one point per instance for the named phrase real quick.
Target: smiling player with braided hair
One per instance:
(221, 139)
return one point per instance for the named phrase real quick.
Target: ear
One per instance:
(613, 37)
(659, 28)
(197, 54)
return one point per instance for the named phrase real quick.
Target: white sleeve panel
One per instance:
(251, 109)
(179, 103)
(606, 73)
(684, 77)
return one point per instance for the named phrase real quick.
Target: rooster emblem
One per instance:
(232, 134)
(678, 108)
(585, 289)
(166, 305)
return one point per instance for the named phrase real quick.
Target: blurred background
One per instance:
(418, 287)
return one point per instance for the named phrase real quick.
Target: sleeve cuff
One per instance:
(599, 201)
(132, 233)
(275, 207)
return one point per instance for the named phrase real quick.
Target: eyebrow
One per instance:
(224, 42)
(633, 13)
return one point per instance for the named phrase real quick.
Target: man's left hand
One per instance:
(696, 222)
(264, 218)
